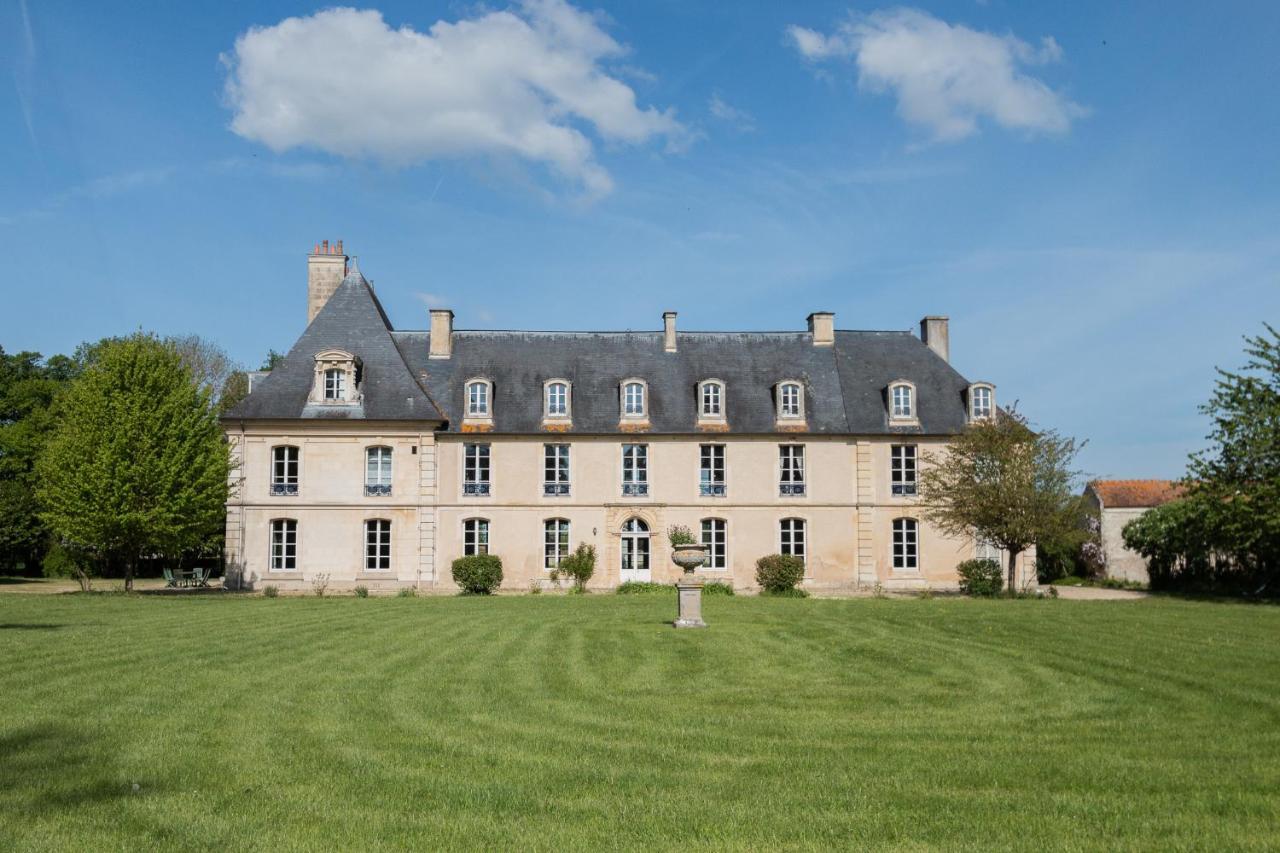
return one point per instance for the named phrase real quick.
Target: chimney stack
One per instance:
(441, 333)
(326, 268)
(669, 331)
(822, 325)
(933, 331)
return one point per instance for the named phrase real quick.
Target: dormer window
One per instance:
(982, 401)
(790, 401)
(634, 404)
(556, 398)
(337, 378)
(711, 399)
(902, 401)
(478, 393)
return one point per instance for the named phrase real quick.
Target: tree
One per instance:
(137, 465)
(272, 360)
(1003, 482)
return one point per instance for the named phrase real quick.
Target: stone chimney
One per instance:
(326, 268)
(822, 325)
(441, 333)
(933, 331)
(669, 331)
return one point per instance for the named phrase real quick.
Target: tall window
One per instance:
(335, 384)
(982, 406)
(635, 549)
(902, 469)
(377, 471)
(284, 545)
(711, 474)
(633, 399)
(475, 469)
(557, 400)
(475, 536)
(555, 468)
(712, 403)
(635, 470)
(905, 543)
(791, 537)
(377, 544)
(790, 400)
(903, 405)
(478, 399)
(284, 470)
(791, 469)
(713, 536)
(555, 541)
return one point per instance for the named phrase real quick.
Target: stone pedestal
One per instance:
(689, 592)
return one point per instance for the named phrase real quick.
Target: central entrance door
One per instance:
(635, 550)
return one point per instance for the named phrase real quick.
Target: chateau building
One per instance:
(376, 457)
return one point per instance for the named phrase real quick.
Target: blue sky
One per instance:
(1088, 190)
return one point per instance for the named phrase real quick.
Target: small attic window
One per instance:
(982, 401)
(479, 398)
(634, 404)
(335, 384)
(902, 401)
(790, 400)
(338, 378)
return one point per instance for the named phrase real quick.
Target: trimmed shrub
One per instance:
(362, 592)
(980, 577)
(779, 572)
(270, 591)
(644, 588)
(717, 588)
(578, 566)
(479, 574)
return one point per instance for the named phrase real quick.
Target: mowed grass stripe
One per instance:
(551, 722)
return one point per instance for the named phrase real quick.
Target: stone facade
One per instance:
(1118, 502)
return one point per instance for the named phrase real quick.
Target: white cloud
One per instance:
(946, 76)
(741, 119)
(523, 82)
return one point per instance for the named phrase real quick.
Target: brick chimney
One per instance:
(822, 325)
(441, 333)
(669, 331)
(933, 331)
(326, 268)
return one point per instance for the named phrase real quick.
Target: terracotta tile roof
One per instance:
(1135, 493)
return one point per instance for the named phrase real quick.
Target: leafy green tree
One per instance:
(272, 360)
(1003, 482)
(137, 464)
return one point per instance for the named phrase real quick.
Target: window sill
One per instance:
(283, 575)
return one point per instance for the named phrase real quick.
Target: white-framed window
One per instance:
(284, 470)
(635, 546)
(377, 471)
(790, 470)
(475, 469)
(335, 384)
(791, 537)
(981, 402)
(902, 469)
(475, 536)
(555, 470)
(714, 536)
(555, 542)
(711, 473)
(790, 400)
(284, 545)
(557, 399)
(478, 398)
(635, 470)
(902, 400)
(634, 392)
(377, 545)
(985, 549)
(905, 543)
(711, 399)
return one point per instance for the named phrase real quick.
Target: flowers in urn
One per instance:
(686, 551)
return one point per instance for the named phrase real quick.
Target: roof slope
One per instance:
(1116, 494)
(352, 320)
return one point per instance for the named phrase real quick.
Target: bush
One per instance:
(270, 591)
(479, 574)
(717, 588)
(578, 566)
(362, 592)
(407, 592)
(784, 593)
(779, 572)
(980, 577)
(63, 562)
(320, 583)
(644, 588)
(678, 534)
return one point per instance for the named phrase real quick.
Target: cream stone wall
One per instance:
(848, 507)
(1120, 561)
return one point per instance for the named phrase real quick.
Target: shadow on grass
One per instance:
(30, 626)
(5, 580)
(50, 768)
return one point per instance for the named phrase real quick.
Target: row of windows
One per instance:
(789, 395)
(792, 539)
(476, 470)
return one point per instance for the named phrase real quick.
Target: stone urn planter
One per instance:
(688, 557)
(689, 585)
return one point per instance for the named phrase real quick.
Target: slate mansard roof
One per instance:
(844, 385)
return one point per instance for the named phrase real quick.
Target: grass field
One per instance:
(569, 722)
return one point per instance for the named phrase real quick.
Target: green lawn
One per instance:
(569, 722)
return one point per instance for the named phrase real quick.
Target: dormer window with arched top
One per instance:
(711, 401)
(790, 396)
(338, 378)
(635, 400)
(902, 402)
(982, 401)
(478, 401)
(557, 403)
